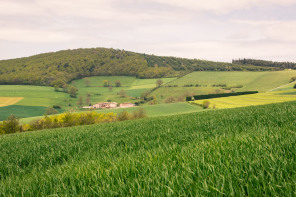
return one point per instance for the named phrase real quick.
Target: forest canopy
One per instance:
(67, 65)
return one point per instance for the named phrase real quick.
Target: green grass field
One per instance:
(133, 87)
(254, 81)
(21, 111)
(249, 100)
(233, 152)
(151, 110)
(40, 97)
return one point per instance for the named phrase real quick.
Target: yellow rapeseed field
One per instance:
(5, 101)
(252, 99)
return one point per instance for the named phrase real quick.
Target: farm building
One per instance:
(126, 105)
(105, 105)
(109, 105)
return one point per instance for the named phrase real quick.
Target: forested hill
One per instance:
(281, 65)
(45, 69)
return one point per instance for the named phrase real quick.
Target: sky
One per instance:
(217, 30)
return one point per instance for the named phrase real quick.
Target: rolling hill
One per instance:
(67, 65)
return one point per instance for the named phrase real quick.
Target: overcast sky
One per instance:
(219, 30)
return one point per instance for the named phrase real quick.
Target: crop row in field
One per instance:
(249, 100)
(233, 152)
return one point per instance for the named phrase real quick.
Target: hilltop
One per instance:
(68, 65)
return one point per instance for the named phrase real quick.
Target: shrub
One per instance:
(123, 116)
(1, 129)
(106, 83)
(159, 82)
(11, 125)
(140, 113)
(117, 83)
(122, 93)
(71, 119)
(206, 104)
(50, 111)
(57, 107)
(294, 86)
(169, 99)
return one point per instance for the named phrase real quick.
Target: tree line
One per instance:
(264, 63)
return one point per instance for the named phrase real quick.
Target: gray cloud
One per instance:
(214, 30)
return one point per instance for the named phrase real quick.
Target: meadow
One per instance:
(132, 85)
(41, 97)
(16, 98)
(233, 152)
(249, 100)
(250, 81)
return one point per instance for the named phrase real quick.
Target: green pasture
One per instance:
(253, 81)
(260, 81)
(33, 95)
(38, 97)
(21, 111)
(234, 152)
(133, 87)
(249, 100)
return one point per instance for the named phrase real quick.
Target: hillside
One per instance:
(68, 65)
(206, 82)
(235, 152)
(28, 101)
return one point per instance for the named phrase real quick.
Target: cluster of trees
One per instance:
(67, 65)
(12, 124)
(87, 100)
(59, 83)
(180, 98)
(107, 83)
(192, 85)
(264, 63)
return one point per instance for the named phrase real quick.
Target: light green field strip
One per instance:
(249, 100)
(148, 83)
(5, 101)
(261, 81)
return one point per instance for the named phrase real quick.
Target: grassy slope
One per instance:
(133, 87)
(41, 96)
(246, 151)
(33, 95)
(252, 99)
(261, 81)
(21, 111)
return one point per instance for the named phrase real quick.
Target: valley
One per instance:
(55, 143)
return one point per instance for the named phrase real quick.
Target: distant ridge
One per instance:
(67, 65)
